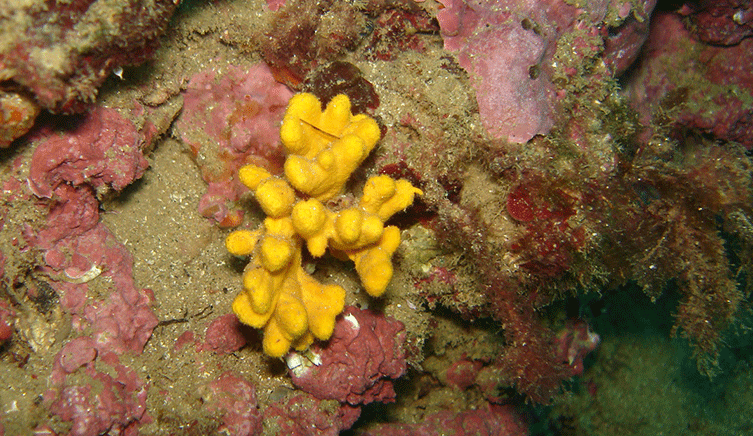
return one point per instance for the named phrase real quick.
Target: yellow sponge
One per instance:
(324, 148)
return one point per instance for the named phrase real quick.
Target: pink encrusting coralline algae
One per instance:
(708, 87)
(498, 52)
(100, 153)
(231, 118)
(489, 420)
(509, 48)
(358, 363)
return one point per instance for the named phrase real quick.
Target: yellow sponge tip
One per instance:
(348, 225)
(275, 344)
(251, 176)
(241, 242)
(375, 270)
(309, 217)
(275, 197)
(246, 315)
(276, 253)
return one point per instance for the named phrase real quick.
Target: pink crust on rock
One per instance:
(236, 397)
(498, 52)
(7, 315)
(76, 354)
(711, 98)
(101, 149)
(185, 338)
(508, 48)
(224, 335)
(462, 374)
(274, 5)
(721, 22)
(623, 44)
(124, 320)
(358, 363)
(111, 402)
(74, 212)
(231, 118)
(489, 420)
(303, 415)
